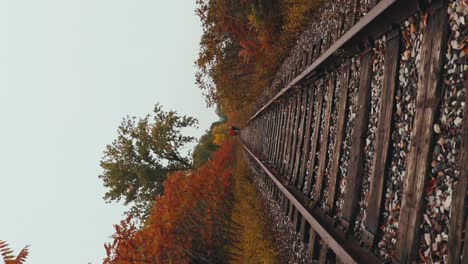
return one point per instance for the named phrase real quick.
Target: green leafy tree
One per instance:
(206, 146)
(204, 149)
(146, 150)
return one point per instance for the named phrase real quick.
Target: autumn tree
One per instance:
(204, 149)
(220, 133)
(207, 146)
(189, 223)
(146, 150)
(242, 47)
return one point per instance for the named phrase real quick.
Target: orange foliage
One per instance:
(189, 222)
(242, 47)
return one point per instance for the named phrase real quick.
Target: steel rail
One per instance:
(334, 245)
(373, 24)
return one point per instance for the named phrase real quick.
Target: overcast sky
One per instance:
(69, 71)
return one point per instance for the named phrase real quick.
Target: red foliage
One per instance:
(186, 222)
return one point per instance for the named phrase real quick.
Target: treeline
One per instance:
(243, 45)
(210, 142)
(189, 223)
(181, 204)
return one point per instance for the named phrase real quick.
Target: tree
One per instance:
(146, 150)
(189, 223)
(242, 47)
(204, 149)
(220, 133)
(206, 146)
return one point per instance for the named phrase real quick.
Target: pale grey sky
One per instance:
(69, 71)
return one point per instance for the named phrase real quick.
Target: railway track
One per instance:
(362, 139)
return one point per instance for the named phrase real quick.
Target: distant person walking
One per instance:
(234, 131)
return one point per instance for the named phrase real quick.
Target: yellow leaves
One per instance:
(256, 243)
(298, 14)
(219, 133)
(254, 21)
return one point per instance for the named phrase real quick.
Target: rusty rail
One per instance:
(375, 23)
(341, 248)
(334, 140)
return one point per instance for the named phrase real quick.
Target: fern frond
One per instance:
(9, 258)
(21, 258)
(6, 252)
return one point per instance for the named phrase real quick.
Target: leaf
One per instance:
(424, 18)
(7, 256)
(21, 258)
(413, 28)
(6, 252)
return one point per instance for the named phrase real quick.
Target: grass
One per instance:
(254, 241)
